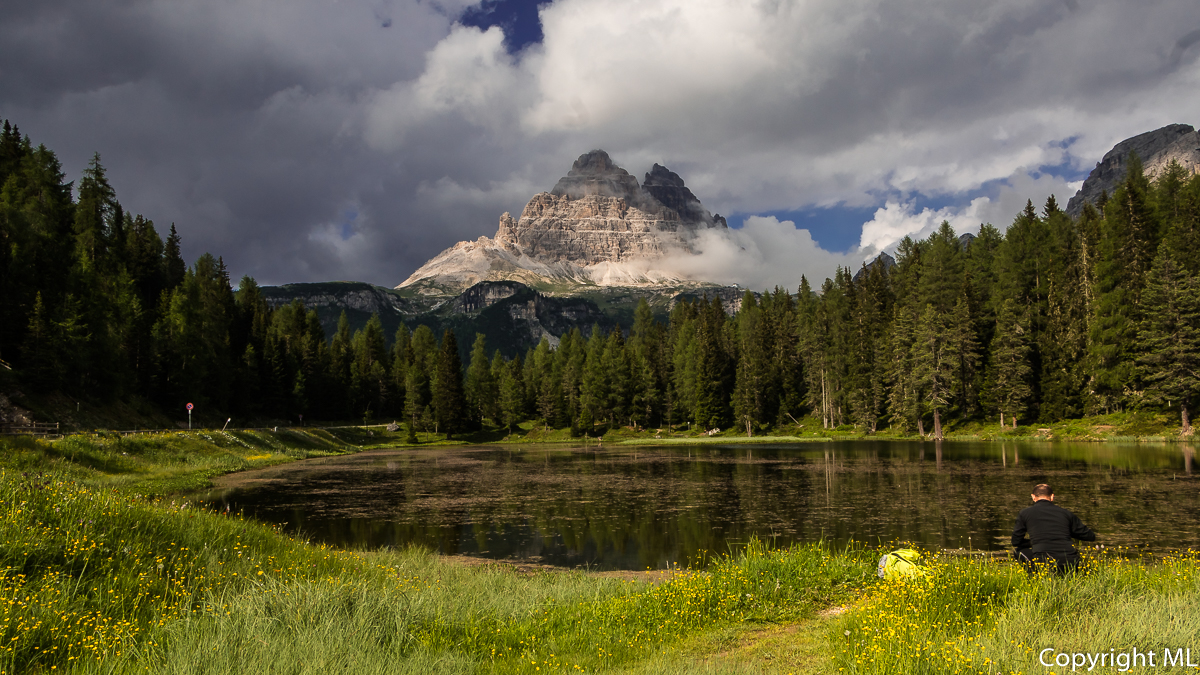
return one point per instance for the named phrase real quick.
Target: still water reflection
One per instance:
(632, 508)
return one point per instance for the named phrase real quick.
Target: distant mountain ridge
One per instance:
(1157, 149)
(596, 227)
(513, 315)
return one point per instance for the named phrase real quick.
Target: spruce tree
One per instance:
(481, 389)
(416, 395)
(512, 395)
(173, 266)
(1120, 271)
(1169, 336)
(933, 362)
(449, 403)
(93, 215)
(1063, 340)
(1009, 369)
(615, 365)
(399, 369)
(752, 385)
(595, 385)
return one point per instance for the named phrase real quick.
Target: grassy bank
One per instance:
(171, 462)
(101, 580)
(973, 616)
(1127, 426)
(97, 574)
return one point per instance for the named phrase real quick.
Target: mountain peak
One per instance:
(595, 174)
(1156, 149)
(596, 226)
(667, 187)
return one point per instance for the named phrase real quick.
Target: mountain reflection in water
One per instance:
(637, 507)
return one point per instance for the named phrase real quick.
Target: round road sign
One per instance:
(189, 406)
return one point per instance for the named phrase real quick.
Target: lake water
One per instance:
(636, 507)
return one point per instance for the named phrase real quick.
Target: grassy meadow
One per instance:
(102, 571)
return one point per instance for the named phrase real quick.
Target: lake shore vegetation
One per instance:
(100, 572)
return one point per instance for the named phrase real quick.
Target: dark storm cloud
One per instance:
(317, 139)
(237, 121)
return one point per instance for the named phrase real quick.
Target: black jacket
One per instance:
(1051, 528)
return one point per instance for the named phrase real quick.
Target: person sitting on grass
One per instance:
(1051, 529)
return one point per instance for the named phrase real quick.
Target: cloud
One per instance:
(762, 254)
(896, 220)
(252, 126)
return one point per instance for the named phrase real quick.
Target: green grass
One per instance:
(984, 616)
(99, 579)
(99, 575)
(723, 440)
(166, 463)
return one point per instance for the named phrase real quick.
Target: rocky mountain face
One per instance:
(597, 226)
(1157, 149)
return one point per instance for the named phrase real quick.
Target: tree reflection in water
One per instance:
(633, 508)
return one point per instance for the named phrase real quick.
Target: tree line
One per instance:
(1055, 318)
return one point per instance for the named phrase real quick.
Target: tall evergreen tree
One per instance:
(94, 213)
(1009, 369)
(933, 360)
(449, 402)
(173, 266)
(481, 391)
(1170, 336)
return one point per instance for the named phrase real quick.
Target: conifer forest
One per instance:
(1053, 318)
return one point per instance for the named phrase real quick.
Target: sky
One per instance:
(314, 140)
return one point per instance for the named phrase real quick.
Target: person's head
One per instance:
(1041, 492)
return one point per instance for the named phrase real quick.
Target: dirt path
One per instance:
(796, 648)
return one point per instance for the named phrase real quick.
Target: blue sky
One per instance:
(518, 19)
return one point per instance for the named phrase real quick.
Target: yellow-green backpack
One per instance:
(900, 563)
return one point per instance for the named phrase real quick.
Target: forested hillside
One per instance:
(1054, 318)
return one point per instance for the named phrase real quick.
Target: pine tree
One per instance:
(681, 343)
(713, 388)
(645, 363)
(368, 372)
(512, 396)
(481, 389)
(399, 369)
(615, 365)
(752, 384)
(416, 395)
(595, 386)
(173, 268)
(933, 361)
(93, 218)
(449, 403)
(341, 355)
(964, 355)
(1169, 335)
(1009, 369)
(1124, 260)
(547, 383)
(903, 398)
(1063, 340)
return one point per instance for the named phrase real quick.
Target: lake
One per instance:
(628, 507)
